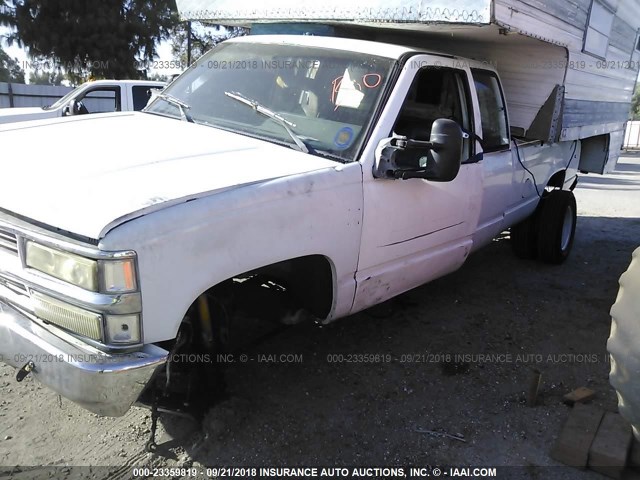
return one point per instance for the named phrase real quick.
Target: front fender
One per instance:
(186, 249)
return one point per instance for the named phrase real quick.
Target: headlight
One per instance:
(106, 276)
(69, 267)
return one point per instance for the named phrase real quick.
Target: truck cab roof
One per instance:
(151, 83)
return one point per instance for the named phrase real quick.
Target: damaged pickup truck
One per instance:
(339, 172)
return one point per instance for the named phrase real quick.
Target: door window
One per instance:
(141, 95)
(436, 93)
(493, 111)
(101, 100)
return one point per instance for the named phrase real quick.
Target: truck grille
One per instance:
(8, 242)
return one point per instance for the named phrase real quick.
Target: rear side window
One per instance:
(493, 111)
(141, 95)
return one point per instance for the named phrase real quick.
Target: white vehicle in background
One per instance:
(98, 96)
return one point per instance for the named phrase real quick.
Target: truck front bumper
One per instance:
(106, 384)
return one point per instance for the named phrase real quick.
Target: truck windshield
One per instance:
(320, 98)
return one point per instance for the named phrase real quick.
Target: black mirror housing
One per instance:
(437, 160)
(446, 136)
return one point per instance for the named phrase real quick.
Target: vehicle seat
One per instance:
(416, 120)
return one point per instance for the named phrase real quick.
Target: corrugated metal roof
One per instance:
(366, 11)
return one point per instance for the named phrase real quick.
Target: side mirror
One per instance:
(70, 109)
(437, 160)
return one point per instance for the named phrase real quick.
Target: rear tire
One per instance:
(556, 226)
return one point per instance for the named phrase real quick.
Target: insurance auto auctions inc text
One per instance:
(376, 472)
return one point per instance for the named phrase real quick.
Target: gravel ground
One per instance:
(454, 356)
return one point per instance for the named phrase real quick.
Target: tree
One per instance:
(46, 77)
(159, 77)
(108, 39)
(635, 103)
(203, 39)
(10, 70)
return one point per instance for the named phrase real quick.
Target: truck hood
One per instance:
(88, 174)
(23, 114)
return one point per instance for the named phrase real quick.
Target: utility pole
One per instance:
(189, 43)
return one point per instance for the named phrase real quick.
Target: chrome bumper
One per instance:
(106, 384)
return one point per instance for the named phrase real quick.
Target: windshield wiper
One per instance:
(262, 110)
(183, 107)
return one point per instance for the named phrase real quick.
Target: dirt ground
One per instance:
(327, 410)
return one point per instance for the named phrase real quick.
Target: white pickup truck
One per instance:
(336, 173)
(99, 96)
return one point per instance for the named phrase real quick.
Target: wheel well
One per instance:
(285, 292)
(557, 179)
(307, 282)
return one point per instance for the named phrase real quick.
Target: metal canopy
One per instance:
(357, 11)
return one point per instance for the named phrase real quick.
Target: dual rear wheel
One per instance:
(547, 235)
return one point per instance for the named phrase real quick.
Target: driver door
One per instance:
(416, 230)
